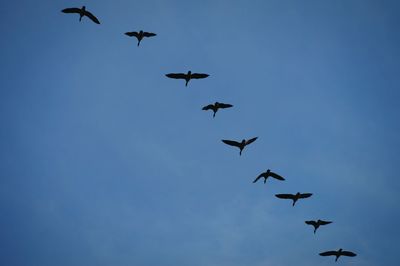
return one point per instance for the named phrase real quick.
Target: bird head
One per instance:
(189, 72)
(83, 7)
(216, 103)
(340, 250)
(141, 32)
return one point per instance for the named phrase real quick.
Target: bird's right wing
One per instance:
(176, 75)
(224, 105)
(71, 10)
(92, 17)
(250, 140)
(132, 34)
(328, 253)
(285, 196)
(149, 34)
(231, 142)
(313, 223)
(305, 195)
(208, 107)
(258, 177)
(198, 76)
(276, 176)
(349, 253)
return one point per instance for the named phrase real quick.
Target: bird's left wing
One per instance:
(92, 17)
(250, 140)
(324, 222)
(224, 105)
(305, 195)
(276, 176)
(149, 34)
(349, 253)
(198, 76)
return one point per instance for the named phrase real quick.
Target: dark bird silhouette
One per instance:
(240, 145)
(338, 253)
(82, 12)
(295, 197)
(317, 224)
(187, 76)
(267, 174)
(214, 107)
(140, 35)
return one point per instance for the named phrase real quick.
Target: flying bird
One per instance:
(338, 253)
(240, 145)
(317, 224)
(267, 174)
(214, 107)
(187, 76)
(294, 197)
(140, 35)
(82, 12)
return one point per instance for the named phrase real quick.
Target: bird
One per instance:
(317, 224)
(267, 174)
(240, 145)
(294, 197)
(214, 107)
(338, 253)
(187, 76)
(139, 35)
(82, 12)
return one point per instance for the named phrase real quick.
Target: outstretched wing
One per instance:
(324, 222)
(329, 253)
(305, 195)
(231, 142)
(276, 176)
(176, 75)
(258, 177)
(224, 105)
(149, 34)
(208, 107)
(348, 253)
(313, 223)
(198, 76)
(92, 17)
(132, 34)
(285, 196)
(71, 10)
(250, 141)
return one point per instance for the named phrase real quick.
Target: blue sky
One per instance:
(105, 161)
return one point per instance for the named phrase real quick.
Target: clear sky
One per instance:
(105, 161)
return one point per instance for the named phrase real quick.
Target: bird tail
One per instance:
(186, 83)
(214, 114)
(138, 43)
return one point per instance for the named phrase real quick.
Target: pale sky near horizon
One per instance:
(105, 161)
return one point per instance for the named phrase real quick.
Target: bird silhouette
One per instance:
(187, 76)
(317, 224)
(82, 12)
(240, 145)
(214, 107)
(140, 35)
(267, 174)
(294, 197)
(338, 253)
